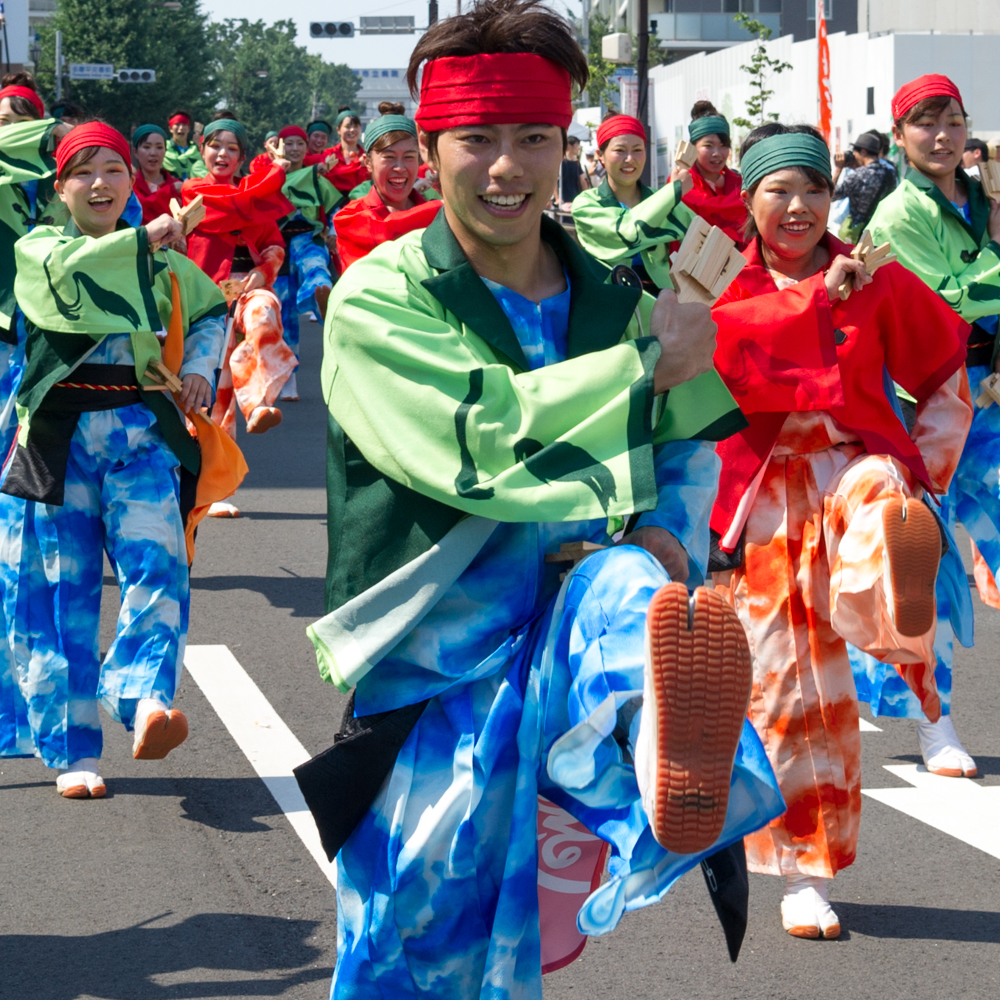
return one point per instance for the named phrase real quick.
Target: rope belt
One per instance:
(101, 388)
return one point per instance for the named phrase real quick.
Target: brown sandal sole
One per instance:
(700, 664)
(913, 549)
(165, 731)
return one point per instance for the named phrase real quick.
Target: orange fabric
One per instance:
(985, 584)
(812, 579)
(223, 466)
(256, 367)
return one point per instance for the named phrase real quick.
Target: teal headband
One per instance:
(228, 125)
(792, 149)
(143, 130)
(386, 124)
(709, 125)
(347, 114)
(271, 135)
(318, 126)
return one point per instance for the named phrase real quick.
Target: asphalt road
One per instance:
(189, 882)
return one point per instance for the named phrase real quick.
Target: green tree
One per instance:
(269, 80)
(137, 34)
(761, 67)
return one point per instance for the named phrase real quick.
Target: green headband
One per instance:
(386, 124)
(271, 135)
(792, 149)
(347, 114)
(228, 125)
(709, 125)
(318, 126)
(143, 130)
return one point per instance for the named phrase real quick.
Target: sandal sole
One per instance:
(165, 731)
(701, 675)
(913, 550)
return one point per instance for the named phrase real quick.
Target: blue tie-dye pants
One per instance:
(121, 497)
(974, 500)
(437, 887)
(15, 735)
(308, 271)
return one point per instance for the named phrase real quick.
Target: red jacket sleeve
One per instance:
(776, 351)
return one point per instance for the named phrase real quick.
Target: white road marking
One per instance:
(269, 745)
(866, 727)
(956, 806)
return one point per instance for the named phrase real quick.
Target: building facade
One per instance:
(382, 85)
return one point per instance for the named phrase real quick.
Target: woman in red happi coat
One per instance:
(391, 208)
(821, 534)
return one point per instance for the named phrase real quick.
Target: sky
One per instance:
(362, 51)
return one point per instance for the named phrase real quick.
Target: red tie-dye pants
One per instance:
(812, 578)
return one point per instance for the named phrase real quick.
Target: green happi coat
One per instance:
(26, 154)
(312, 195)
(435, 415)
(614, 234)
(184, 163)
(74, 290)
(957, 259)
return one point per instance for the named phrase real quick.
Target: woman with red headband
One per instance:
(392, 208)
(105, 463)
(947, 232)
(821, 536)
(238, 245)
(716, 194)
(183, 159)
(488, 366)
(303, 284)
(624, 222)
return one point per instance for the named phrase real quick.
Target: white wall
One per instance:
(929, 15)
(857, 62)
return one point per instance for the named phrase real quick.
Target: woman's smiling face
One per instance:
(791, 211)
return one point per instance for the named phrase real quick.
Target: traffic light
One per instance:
(136, 76)
(331, 29)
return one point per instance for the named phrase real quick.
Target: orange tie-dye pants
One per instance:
(257, 361)
(812, 578)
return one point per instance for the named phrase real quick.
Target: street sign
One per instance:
(91, 71)
(136, 76)
(401, 25)
(331, 29)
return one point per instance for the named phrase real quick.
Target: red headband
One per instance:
(91, 134)
(620, 125)
(289, 130)
(501, 88)
(179, 119)
(929, 85)
(28, 94)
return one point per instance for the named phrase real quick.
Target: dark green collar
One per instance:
(72, 230)
(979, 208)
(599, 311)
(607, 197)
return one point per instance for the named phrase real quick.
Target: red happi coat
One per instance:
(246, 214)
(363, 224)
(156, 203)
(344, 176)
(792, 351)
(725, 208)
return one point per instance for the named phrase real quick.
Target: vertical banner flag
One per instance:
(823, 53)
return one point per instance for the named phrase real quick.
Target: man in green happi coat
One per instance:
(499, 405)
